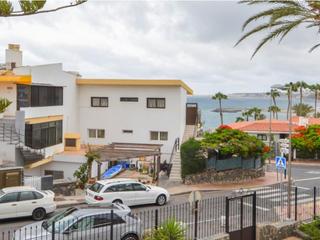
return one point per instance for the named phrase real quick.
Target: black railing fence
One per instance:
(201, 220)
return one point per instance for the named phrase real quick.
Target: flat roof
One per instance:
(135, 82)
(7, 76)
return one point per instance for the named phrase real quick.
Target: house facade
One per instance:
(55, 112)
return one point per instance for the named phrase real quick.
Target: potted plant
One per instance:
(4, 104)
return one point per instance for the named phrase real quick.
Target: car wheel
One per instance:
(39, 214)
(130, 237)
(117, 201)
(161, 200)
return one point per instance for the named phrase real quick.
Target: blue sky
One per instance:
(188, 40)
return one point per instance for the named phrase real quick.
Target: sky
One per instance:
(188, 40)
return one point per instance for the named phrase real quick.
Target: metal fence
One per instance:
(203, 219)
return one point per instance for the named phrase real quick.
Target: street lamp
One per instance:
(289, 88)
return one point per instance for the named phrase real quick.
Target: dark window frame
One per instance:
(127, 131)
(100, 98)
(157, 103)
(129, 99)
(70, 140)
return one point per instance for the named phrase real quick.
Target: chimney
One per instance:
(13, 56)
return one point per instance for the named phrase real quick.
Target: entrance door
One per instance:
(241, 217)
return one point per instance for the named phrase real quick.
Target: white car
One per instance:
(26, 201)
(127, 191)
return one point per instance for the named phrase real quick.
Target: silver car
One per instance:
(85, 223)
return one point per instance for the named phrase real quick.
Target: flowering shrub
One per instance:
(224, 127)
(266, 149)
(230, 142)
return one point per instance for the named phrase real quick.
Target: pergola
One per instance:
(125, 151)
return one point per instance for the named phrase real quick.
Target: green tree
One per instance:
(289, 93)
(274, 93)
(247, 114)
(281, 18)
(81, 175)
(315, 89)
(219, 96)
(274, 109)
(256, 112)
(302, 109)
(301, 85)
(91, 156)
(31, 7)
(239, 119)
(192, 159)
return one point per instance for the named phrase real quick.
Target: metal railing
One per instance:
(201, 219)
(175, 148)
(9, 134)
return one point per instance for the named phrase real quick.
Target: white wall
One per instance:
(7, 153)
(9, 91)
(133, 115)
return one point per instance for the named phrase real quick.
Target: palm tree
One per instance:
(256, 113)
(293, 89)
(274, 93)
(274, 109)
(301, 85)
(246, 114)
(239, 119)
(91, 156)
(315, 88)
(219, 96)
(282, 17)
(302, 109)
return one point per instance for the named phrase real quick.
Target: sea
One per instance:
(211, 119)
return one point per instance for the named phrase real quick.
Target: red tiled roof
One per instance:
(281, 126)
(309, 121)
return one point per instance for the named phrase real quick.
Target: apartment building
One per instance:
(54, 112)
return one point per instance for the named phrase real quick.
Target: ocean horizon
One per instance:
(211, 119)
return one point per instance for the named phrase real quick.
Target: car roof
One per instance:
(18, 189)
(86, 210)
(116, 180)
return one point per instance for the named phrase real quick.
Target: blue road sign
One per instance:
(281, 163)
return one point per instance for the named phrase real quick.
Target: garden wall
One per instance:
(229, 176)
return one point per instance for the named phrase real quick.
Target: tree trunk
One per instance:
(221, 116)
(301, 96)
(315, 102)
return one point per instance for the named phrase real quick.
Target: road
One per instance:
(269, 200)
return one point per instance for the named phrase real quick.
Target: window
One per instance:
(262, 137)
(283, 136)
(101, 133)
(129, 99)
(138, 187)
(127, 131)
(42, 135)
(124, 187)
(155, 135)
(26, 196)
(55, 174)
(70, 142)
(163, 136)
(96, 133)
(96, 187)
(37, 195)
(99, 102)
(9, 197)
(156, 103)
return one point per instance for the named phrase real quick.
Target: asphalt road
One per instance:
(305, 177)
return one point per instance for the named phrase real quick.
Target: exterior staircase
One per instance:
(175, 173)
(9, 135)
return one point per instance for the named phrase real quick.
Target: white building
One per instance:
(54, 112)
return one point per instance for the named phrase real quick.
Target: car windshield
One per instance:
(96, 187)
(61, 220)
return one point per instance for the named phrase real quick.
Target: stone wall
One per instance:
(65, 188)
(276, 231)
(228, 176)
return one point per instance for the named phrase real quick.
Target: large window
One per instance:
(43, 135)
(39, 96)
(99, 102)
(156, 103)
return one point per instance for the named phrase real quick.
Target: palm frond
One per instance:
(259, 29)
(291, 26)
(314, 47)
(287, 12)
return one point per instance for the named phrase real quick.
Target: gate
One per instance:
(241, 217)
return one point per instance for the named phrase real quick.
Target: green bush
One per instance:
(192, 159)
(170, 230)
(312, 229)
(81, 175)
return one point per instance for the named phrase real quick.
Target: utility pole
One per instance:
(290, 154)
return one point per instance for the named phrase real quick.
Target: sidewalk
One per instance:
(268, 179)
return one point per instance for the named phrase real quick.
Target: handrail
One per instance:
(176, 147)
(19, 138)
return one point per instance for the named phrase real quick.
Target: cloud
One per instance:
(189, 40)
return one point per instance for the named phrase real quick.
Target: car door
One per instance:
(125, 193)
(8, 205)
(141, 194)
(26, 204)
